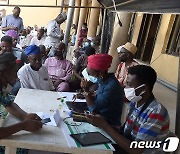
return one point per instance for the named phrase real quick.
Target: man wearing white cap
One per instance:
(54, 32)
(126, 54)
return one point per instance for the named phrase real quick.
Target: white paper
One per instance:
(54, 118)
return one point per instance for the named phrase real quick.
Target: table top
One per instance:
(49, 138)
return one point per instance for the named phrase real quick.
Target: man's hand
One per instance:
(48, 49)
(97, 120)
(32, 116)
(31, 125)
(85, 85)
(13, 28)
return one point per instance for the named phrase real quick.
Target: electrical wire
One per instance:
(120, 23)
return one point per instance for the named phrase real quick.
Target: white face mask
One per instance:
(131, 94)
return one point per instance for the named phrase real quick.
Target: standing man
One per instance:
(13, 21)
(54, 32)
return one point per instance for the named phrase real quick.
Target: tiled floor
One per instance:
(168, 98)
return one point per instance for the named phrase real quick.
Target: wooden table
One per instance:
(48, 138)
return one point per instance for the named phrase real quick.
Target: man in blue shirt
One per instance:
(109, 96)
(13, 21)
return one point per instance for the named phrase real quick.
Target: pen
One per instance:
(61, 97)
(74, 98)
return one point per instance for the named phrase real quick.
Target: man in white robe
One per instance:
(34, 75)
(54, 32)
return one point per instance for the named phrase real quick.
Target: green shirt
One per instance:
(5, 100)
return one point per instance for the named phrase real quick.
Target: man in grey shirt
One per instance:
(13, 21)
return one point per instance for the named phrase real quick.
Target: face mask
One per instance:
(93, 79)
(85, 44)
(92, 44)
(131, 94)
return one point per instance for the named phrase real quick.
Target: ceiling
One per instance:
(148, 6)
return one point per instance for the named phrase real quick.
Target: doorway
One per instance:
(147, 36)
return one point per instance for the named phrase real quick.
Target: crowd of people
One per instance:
(35, 59)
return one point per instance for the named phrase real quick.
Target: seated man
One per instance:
(126, 54)
(44, 53)
(7, 46)
(34, 75)
(30, 122)
(25, 38)
(39, 39)
(79, 67)
(109, 96)
(147, 120)
(15, 37)
(59, 69)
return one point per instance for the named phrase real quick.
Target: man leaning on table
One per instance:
(147, 120)
(30, 122)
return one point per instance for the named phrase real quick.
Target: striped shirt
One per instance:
(151, 124)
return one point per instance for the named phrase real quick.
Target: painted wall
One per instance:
(36, 15)
(120, 36)
(137, 26)
(165, 65)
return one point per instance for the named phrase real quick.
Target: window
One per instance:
(173, 47)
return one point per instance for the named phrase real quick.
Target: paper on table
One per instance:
(69, 97)
(54, 119)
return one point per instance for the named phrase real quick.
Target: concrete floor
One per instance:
(167, 97)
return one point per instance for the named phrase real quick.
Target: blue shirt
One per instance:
(109, 100)
(10, 21)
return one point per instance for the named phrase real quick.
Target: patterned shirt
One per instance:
(5, 99)
(58, 69)
(151, 124)
(122, 71)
